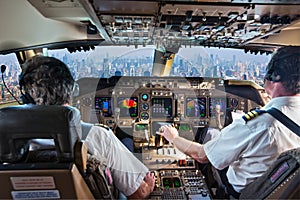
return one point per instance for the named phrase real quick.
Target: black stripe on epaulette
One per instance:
(103, 126)
(252, 114)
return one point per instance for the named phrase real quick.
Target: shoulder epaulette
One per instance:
(103, 126)
(252, 114)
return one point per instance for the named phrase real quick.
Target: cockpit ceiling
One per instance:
(233, 24)
(256, 25)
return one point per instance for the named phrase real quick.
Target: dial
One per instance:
(86, 101)
(234, 102)
(145, 106)
(145, 97)
(144, 116)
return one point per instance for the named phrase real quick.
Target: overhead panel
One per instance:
(214, 23)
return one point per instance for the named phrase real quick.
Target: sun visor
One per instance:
(25, 27)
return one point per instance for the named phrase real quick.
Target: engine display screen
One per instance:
(104, 105)
(141, 127)
(183, 127)
(171, 182)
(161, 107)
(196, 107)
(128, 106)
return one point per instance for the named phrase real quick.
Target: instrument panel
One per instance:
(139, 105)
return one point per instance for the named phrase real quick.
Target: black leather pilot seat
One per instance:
(29, 169)
(280, 181)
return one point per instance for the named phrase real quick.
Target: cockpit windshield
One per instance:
(104, 62)
(108, 61)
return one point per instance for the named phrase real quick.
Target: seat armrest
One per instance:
(80, 156)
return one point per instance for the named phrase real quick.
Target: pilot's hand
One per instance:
(150, 180)
(169, 132)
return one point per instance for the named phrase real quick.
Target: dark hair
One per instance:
(285, 67)
(47, 80)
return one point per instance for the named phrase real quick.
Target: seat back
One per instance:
(280, 181)
(52, 172)
(20, 124)
(289, 189)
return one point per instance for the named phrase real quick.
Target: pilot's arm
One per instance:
(193, 149)
(145, 188)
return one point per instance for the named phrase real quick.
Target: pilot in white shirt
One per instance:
(250, 147)
(48, 81)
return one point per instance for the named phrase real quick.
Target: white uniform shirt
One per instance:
(249, 149)
(127, 171)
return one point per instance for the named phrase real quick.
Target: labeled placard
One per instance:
(32, 182)
(35, 194)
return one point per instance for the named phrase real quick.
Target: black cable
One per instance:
(3, 68)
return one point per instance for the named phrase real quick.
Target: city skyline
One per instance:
(104, 62)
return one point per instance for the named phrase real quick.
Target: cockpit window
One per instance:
(11, 78)
(104, 62)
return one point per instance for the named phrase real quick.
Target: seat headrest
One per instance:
(19, 124)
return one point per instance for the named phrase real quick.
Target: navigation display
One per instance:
(128, 106)
(104, 104)
(196, 107)
(216, 105)
(161, 107)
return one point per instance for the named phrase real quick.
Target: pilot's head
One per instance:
(46, 81)
(284, 67)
